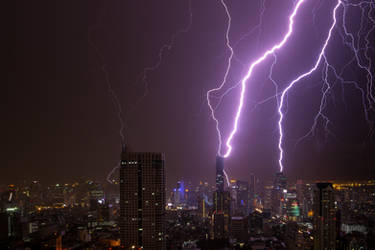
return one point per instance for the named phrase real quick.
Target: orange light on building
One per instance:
(310, 213)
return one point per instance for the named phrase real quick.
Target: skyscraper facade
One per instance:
(252, 192)
(240, 197)
(220, 173)
(278, 195)
(221, 214)
(142, 200)
(324, 217)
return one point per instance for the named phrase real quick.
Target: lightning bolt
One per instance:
(353, 43)
(113, 96)
(229, 63)
(361, 57)
(231, 48)
(356, 49)
(167, 47)
(257, 28)
(226, 178)
(292, 83)
(111, 92)
(110, 174)
(144, 77)
(245, 79)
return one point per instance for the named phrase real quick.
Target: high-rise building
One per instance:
(292, 206)
(240, 197)
(267, 195)
(220, 173)
(305, 195)
(221, 218)
(252, 191)
(324, 217)
(179, 194)
(204, 199)
(278, 193)
(221, 213)
(142, 200)
(203, 207)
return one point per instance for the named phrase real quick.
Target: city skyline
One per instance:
(163, 125)
(284, 213)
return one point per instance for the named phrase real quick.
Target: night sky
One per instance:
(61, 122)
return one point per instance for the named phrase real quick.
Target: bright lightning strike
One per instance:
(229, 63)
(226, 178)
(361, 58)
(291, 84)
(245, 79)
(352, 41)
(257, 30)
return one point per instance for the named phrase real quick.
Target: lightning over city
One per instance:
(285, 91)
(244, 81)
(349, 39)
(191, 124)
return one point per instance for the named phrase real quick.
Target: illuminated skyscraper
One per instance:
(324, 217)
(240, 197)
(179, 194)
(278, 195)
(142, 200)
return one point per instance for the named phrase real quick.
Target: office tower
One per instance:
(252, 192)
(239, 227)
(204, 198)
(305, 198)
(280, 181)
(278, 193)
(255, 223)
(292, 207)
(179, 194)
(142, 200)
(220, 173)
(221, 213)
(267, 195)
(324, 217)
(240, 197)
(203, 206)
(300, 186)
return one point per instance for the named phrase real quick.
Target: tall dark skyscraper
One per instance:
(220, 173)
(324, 217)
(221, 214)
(142, 200)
